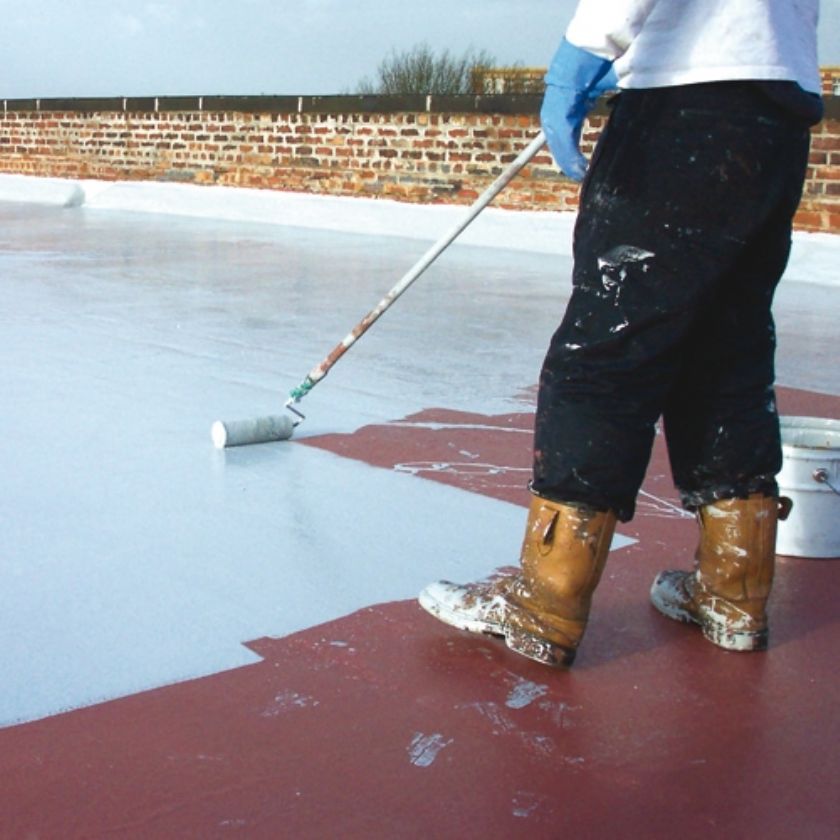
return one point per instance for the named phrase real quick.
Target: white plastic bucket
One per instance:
(810, 477)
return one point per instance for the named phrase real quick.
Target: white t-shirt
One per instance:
(659, 43)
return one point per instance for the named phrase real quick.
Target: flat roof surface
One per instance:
(204, 643)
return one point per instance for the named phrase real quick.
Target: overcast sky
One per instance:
(191, 47)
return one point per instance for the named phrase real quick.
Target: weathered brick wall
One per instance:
(820, 207)
(417, 149)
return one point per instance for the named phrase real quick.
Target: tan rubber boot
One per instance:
(727, 592)
(541, 610)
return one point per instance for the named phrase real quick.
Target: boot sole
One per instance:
(537, 649)
(713, 630)
(525, 644)
(729, 640)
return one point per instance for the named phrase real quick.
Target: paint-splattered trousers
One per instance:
(683, 233)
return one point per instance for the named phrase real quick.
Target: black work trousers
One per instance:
(683, 233)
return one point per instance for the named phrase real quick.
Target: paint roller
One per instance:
(281, 426)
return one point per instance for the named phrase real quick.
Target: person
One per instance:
(683, 232)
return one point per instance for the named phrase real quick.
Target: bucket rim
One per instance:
(809, 422)
(819, 435)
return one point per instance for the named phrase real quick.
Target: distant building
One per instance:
(496, 80)
(830, 81)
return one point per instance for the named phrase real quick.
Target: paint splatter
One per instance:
(424, 749)
(524, 693)
(493, 712)
(233, 823)
(537, 744)
(559, 713)
(287, 700)
(650, 505)
(623, 255)
(456, 468)
(525, 804)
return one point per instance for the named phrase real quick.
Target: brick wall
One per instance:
(820, 206)
(416, 149)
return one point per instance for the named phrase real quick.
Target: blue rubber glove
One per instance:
(575, 80)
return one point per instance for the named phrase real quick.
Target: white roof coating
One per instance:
(135, 554)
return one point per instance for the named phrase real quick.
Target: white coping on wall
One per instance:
(548, 232)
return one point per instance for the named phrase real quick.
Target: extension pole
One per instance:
(274, 427)
(321, 370)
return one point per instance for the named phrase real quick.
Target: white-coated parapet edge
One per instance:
(53, 191)
(542, 232)
(546, 232)
(519, 230)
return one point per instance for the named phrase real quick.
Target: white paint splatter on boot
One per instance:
(476, 607)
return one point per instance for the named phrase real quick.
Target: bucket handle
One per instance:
(820, 475)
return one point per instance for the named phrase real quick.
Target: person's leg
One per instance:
(720, 419)
(722, 431)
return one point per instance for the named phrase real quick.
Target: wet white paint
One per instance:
(481, 427)
(623, 255)
(656, 506)
(524, 693)
(669, 596)
(134, 553)
(614, 265)
(470, 468)
(424, 749)
(531, 231)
